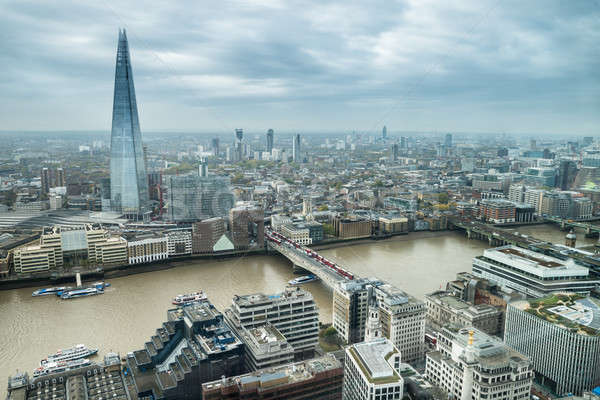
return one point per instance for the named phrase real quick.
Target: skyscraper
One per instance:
(128, 181)
(384, 132)
(270, 135)
(215, 147)
(296, 148)
(448, 141)
(239, 148)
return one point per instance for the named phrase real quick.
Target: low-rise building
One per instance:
(497, 211)
(296, 232)
(316, 379)
(469, 364)
(265, 347)
(351, 227)
(179, 241)
(444, 308)
(146, 247)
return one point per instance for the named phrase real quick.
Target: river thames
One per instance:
(129, 312)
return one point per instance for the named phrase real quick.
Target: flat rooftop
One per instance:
(568, 310)
(535, 263)
(290, 293)
(372, 357)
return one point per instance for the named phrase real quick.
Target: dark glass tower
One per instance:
(128, 181)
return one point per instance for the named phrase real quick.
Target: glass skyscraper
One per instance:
(128, 180)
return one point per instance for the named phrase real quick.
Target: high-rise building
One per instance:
(247, 226)
(207, 233)
(384, 132)
(45, 180)
(270, 135)
(448, 141)
(470, 365)
(215, 147)
(294, 313)
(395, 152)
(296, 149)
(567, 171)
(128, 180)
(561, 335)
(403, 142)
(372, 371)
(239, 145)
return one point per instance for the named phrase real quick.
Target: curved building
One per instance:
(128, 179)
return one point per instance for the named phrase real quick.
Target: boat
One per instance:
(185, 299)
(50, 290)
(96, 285)
(61, 366)
(303, 279)
(73, 353)
(89, 291)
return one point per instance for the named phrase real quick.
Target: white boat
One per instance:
(183, 299)
(73, 353)
(61, 366)
(303, 279)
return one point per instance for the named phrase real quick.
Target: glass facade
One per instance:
(128, 181)
(194, 198)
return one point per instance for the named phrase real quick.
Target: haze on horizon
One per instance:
(414, 65)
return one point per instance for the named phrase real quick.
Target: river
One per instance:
(133, 307)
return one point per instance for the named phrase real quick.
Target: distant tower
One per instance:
(448, 141)
(239, 148)
(296, 148)
(45, 175)
(128, 179)
(384, 132)
(307, 206)
(215, 147)
(203, 169)
(570, 239)
(395, 152)
(270, 135)
(373, 329)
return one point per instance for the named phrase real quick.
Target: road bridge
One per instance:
(590, 230)
(307, 259)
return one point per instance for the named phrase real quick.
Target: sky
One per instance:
(497, 66)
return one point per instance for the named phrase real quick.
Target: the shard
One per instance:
(128, 179)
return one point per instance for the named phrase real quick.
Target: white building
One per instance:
(533, 197)
(298, 234)
(179, 241)
(561, 335)
(147, 248)
(531, 273)
(372, 371)
(277, 221)
(470, 365)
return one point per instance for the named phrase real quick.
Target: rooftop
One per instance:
(290, 292)
(372, 358)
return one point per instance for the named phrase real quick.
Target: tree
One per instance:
(443, 198)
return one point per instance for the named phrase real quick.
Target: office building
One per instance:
(146, 247)
(193, 197)
(296, 155)
(52, 178)
(351, 227)
(128, 179)
(350, 308)
(194, 346)
(516, 193)
(293, 312)
(297, 232)
(270, 136)
(444, 308)
(265, 347)
(215, 147)
(316, 379)
(468, 364)
(207, 233)
(247, 224)
(497, 211)
(384, 132)
(277, 221)
(395, 152)
(533, 197)
(531, 273)
(239, 145)
(567, 172)
(179, 241)
(561, 335)
(372, 371)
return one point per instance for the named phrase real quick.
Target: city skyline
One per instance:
(342, 68)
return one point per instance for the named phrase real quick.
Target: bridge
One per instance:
(591, 230)
(307, 259)
(494, 236)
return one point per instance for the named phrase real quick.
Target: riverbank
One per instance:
(121, 270)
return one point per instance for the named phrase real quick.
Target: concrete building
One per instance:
(296, 232)
(531, 273)
(351, 227)
(293, 312)
(468, 364)
(146, 247)
(393, 224)
(316, 379)
(444, 308)
(265, 347)
(194, 346)
(179, 241)
(561, 335)
(402, 316)
(516, 193)
(534, 197)
(372, 371)
(277, 221)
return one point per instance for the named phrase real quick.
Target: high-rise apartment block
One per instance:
(293, 312)
(561, 335)
(128, 179)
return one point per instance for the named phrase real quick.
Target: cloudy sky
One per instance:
(313, 65)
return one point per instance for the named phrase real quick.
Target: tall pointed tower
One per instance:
(128, 178)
